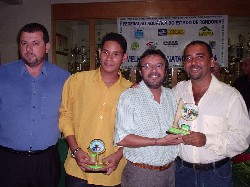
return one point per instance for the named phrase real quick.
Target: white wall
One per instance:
(13, 17)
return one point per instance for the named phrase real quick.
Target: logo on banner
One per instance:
(212, 44)
(205, 31)
(170, 43)
(134, 46)
(175, 32)
(139, 33)
(151, 45)
(162, 32)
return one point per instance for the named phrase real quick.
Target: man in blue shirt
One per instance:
(30, 96)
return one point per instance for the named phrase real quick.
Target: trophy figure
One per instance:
(188, 112)
(248, 46)
(96, 151)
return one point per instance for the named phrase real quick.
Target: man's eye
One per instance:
(35, 43)
(23, 43)
(188, 58)
(159, 65)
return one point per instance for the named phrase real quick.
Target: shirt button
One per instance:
(34, 107)
(101, 117)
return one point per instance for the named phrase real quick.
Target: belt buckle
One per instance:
(196, 166)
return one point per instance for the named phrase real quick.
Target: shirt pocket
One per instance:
(213, 124)
(50, 104)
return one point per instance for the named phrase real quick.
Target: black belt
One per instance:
(29, 153)
(207, 166)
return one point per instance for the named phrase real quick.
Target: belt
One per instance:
(29, 153)
(146, 166)
(207, 166)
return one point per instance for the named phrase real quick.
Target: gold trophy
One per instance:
(188, 112)
(96, 151)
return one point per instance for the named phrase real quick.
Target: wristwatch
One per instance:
(74, 152)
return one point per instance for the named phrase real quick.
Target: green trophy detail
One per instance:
(188, 112)
(96, 152)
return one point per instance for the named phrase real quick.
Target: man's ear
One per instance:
(47, 46)
(125, 57)
(212, 62)
(99, 52)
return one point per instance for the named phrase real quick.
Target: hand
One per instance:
(195, 138)
(112, 162)
(83, 160)
(170, 139)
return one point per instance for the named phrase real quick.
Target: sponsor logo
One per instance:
(139, 33)
(162, 32)
(151, 45)
(174, 32)
(205, 31)
(212, 44)
(134, 46)
(170, 43)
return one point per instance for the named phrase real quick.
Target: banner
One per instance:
(172, 34)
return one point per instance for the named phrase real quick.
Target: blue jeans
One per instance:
(217, 177)
(71, 181)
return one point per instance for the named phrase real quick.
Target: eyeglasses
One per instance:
(151, 66)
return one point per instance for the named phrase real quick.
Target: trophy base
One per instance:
(174, 130)
(96, 169)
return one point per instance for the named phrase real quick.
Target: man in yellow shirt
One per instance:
(87, 112)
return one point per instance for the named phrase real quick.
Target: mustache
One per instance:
(195, 67)
(154, 74)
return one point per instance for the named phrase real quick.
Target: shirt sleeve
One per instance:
(66, 108)
(235, 139)
(124, 118)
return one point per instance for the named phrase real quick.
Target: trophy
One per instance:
(188, 112)
(96, 151)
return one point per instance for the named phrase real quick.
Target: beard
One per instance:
(32, 60)
(153, 84)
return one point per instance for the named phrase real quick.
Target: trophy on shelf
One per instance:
(96, 151)
(188, 112)
(248, 46)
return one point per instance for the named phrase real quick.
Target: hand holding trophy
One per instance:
(188, 112)
(96, 151)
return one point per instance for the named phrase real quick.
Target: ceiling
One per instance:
(13, 2)
(20, 2)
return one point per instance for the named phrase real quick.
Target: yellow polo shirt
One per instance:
(88, 111)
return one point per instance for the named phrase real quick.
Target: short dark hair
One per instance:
(209, 49)
(150, 52)
(34, 27)
(112, 36)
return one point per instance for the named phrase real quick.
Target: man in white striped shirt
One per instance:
(143, 115)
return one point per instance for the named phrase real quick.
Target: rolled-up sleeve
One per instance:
(124, 118)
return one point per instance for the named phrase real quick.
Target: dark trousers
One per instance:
(216, 177)
(22, 170)
(71, 181)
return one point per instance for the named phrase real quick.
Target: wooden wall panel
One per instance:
(154, 8)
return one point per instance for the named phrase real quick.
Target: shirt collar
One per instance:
(24, 70)
(98, 76)
(212, 87)
(147, 91)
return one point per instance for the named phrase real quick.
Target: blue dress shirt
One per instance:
(29, 106)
